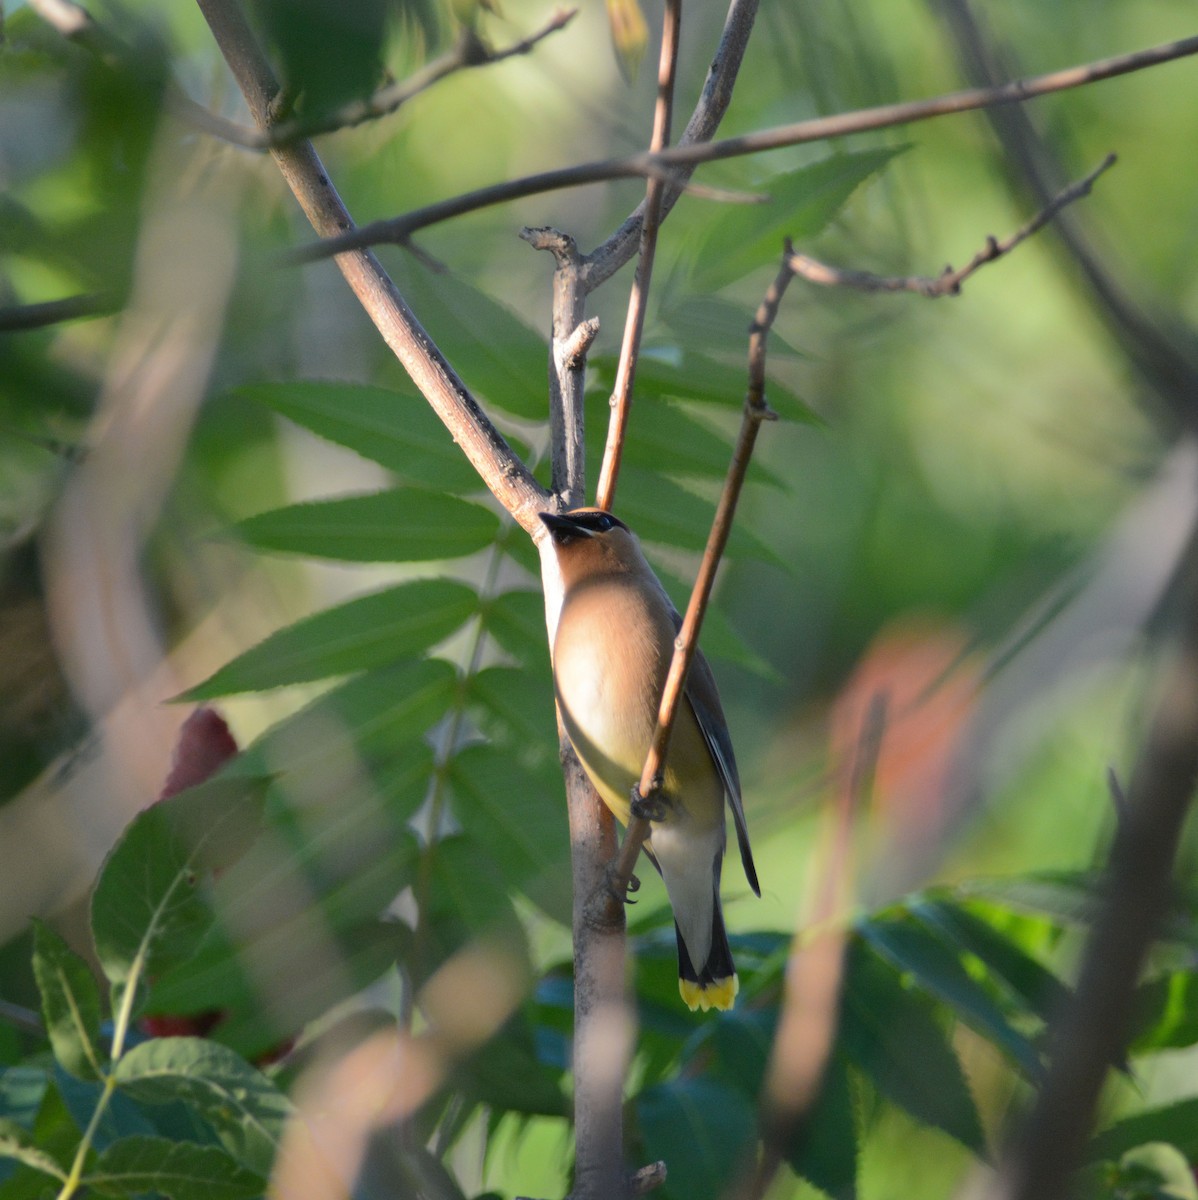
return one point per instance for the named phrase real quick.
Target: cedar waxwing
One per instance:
(611, 655)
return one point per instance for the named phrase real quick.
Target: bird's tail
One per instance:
(716, 984)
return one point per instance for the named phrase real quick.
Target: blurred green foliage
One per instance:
(942, 473)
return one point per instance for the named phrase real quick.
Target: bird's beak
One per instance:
(563, 529)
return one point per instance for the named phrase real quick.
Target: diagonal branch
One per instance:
(949, 281)
(681, 158)
(634, 326)
(498, 465)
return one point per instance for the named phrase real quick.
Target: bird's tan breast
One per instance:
(611, 656)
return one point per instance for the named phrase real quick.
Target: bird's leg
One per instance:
(651, 807)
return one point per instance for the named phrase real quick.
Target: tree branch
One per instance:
(54, 312)
(949, 281)
(500, 468)
(621, 400)
(683, 157)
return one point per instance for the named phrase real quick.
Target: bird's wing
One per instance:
(705, 703)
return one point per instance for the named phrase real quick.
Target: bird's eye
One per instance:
(603, 522)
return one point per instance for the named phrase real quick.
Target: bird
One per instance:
(611, 654)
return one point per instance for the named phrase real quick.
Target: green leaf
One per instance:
(245, 1110)
(70, 1003)
(402, 525)
(368, 631)
(510, 811)
(516, 620)
(1167, 1013)
(891, 1034)
(935, 966)
(802, 203)
(1028, 981)
(824, 1148)
(396, 429)
(148, 909)
(18, 1143)
(508, 1075)
(179, 1170)
(497, 355)
(1065, 897)
(704, 1131)
(1155, 1171)
(1175, 1123)
(521, 698)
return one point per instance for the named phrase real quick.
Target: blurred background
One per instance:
(975, 505)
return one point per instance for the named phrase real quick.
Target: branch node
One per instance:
(576, 347)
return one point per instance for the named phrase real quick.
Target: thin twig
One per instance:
(756, 410)
(469, 51)
(678, 158)
(638, 299)
(949, 281)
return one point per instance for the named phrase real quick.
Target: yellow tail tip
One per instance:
(720, 994)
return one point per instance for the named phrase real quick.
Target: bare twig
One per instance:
(677, 158)
(638, 299)
(949, 281)
(468, 51)
(498, 465)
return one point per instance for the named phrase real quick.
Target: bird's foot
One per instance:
(651, 807)
(620, 895)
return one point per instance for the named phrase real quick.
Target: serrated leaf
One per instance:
(802, 203)
(704, 1131)
(1175, 1123)
(516, 620)
(70, 1003)
(179, 1170)
(507, 809)
(401, 525)
(892, 1035)
(17, 1143)
(396, 429)
(246, 1111)
(1031, 983)
(824, 1149)
(497, 355)
(147, 908)
(936, 967)
(368, 631)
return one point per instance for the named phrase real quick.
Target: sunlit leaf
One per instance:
(148, 908)
(1167, 1013)
(19, 1144)
(629, 35)
(892, 1035)
(70, 1003)
(516, 620)
(1175, 1123)
(368, 631)
(938, 970)
(402, 525)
